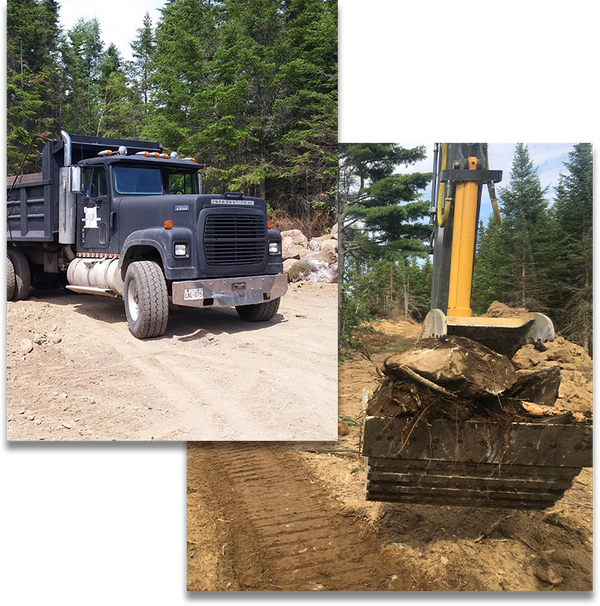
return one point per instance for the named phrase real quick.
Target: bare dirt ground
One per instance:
(293, 517)
(212, 376)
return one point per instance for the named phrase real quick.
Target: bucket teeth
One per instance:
(504, 335)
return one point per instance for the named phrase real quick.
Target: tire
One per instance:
(10, 279)
(146, 300)
(22, 275)
(260, 312)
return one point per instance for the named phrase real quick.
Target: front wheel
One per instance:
(260, 312)
(146, 299)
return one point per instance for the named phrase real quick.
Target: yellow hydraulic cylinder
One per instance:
(463, 246)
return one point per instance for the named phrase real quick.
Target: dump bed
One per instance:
(33, 200)
(32, 212)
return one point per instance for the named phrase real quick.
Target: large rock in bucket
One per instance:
(457, 364)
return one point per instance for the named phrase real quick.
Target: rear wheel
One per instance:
(260, 312)
(22, 275)
(10, 279)
(146, 299)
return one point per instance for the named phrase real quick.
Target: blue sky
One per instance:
(119, 19)
(548, 159)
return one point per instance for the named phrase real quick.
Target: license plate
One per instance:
(192, 294)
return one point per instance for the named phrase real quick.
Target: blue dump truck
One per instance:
(121, 218)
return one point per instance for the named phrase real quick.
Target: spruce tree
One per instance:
(143, 50)
(82, 55)
(490, 274)
(33, 93)
(573, 213)
(525, 234)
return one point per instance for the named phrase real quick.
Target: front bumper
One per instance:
(226, 292)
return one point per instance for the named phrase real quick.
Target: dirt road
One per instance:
(212, 376)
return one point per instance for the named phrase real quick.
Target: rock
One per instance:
(26, 346)
(314, 261)
(539, 387)
(457, 364)
(334, 231)
(546, 573)
(318, 266)
(293, 241)
(288, 264)
(331, 245)
(343, 429)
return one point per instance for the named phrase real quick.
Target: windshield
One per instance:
(154, 180)
(129, 180)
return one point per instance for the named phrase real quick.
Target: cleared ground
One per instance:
(212, 376)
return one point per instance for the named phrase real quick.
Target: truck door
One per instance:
(93, 212)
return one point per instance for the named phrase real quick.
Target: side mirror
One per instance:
(76, 182)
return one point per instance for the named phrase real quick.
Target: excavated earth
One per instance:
(258, 519)
(293, 516)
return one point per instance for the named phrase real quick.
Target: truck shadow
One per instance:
(185, 324)
(193, 324)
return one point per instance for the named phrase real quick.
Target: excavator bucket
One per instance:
(477, 464)
(504, 335)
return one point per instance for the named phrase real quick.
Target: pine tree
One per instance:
(385, 205)
(380, 216)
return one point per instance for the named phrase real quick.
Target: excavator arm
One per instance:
(461, 172)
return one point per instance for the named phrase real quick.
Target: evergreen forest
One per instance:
(539, 259)
(247, 87)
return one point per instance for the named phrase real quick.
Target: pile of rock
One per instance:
(313, 260)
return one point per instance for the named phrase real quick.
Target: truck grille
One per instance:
(234, 240)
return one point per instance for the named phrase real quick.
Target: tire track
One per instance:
(282, 530)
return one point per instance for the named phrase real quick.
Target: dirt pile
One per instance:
(313, 260)
(576, 366)
(500, 310)
(575, 392)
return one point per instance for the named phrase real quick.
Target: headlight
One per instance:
(180, 250)
(273, 248)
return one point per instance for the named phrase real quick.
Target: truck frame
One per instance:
(121, 218)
